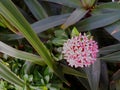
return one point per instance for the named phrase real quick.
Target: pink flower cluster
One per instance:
(80, 51)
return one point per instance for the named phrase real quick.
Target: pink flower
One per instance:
(80, 51)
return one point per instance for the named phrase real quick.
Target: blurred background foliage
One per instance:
(23, 59)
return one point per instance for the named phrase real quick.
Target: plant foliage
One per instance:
(32, 34)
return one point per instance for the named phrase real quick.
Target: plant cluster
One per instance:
(59, 45)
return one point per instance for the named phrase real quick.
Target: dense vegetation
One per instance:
(32, 34)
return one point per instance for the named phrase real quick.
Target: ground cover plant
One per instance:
(59, 45)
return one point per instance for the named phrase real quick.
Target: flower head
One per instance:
(80, 51)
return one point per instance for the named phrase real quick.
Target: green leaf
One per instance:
(49, 22)
(47, 78)
(5, 23)
(71, 71)
(20, 54)
(26, 15)
(39, 26)
(36, 9)
(70, 3)
(74, 17)
(114, 30)
(27, 67)
(33, 58)
(98, 21)
(109, 49)
(104, 81)
(9, 76)
(114, 57)
(110, 7)
(74, 32)
(93, 74)
(15, 18)
(106, 8)
(60, 34)
(87, 3)
(92, 2)
(58, 41)
(2, 25)
(60, 37)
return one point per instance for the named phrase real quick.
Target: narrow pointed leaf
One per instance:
(39, 26)
(14, 17)
(87, 3)
(114, 30)
(5, 23)
(92, 2)
(19, 22)
(114, 57)
(49, 22)
(104, 80)
(9, 76)
(26, 15)
(36, 8)
(93, 74)
(74, 17)
(70, 3)
(34, 58)
(109, 49)
(2, 25)
(106, 8)
(70, 71)
(20, 54)
(98, 21)
(110, 7)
